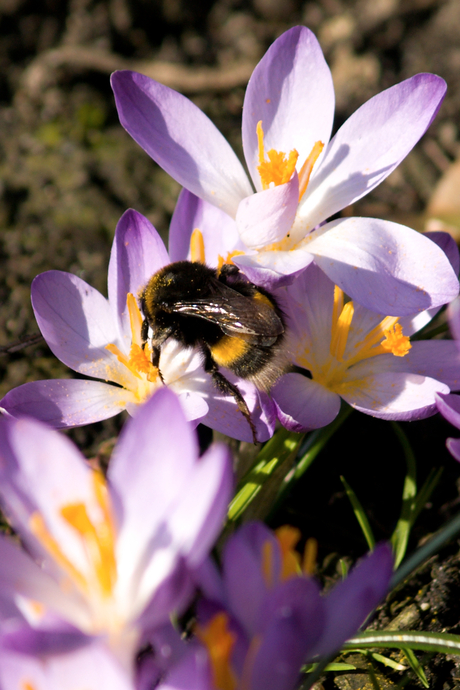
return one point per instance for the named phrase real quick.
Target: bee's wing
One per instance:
(234, 313)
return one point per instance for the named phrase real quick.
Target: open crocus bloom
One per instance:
(106, 559)
(101, 338)
(301, 178)
(363, 357)
(265, 617)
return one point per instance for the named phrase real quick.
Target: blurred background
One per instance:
(68, 171)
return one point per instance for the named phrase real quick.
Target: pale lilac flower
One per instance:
(101, 338)
(384, 266)
(108, 559)
(264, 617)
(361, 356)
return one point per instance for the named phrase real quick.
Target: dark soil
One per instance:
(68, 171)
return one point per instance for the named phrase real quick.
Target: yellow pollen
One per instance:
(25, 685)
(197, 247)
(278, 169)
(139, 360)
(229, 260)
(396, 342)
(219, 641)
(307, 167)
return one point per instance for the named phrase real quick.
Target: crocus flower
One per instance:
(299, 177)
(101, 338)
(363, 357)
(265, 617)
(106, 559)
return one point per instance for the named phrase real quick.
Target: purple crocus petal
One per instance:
(353, 599)
(303, 404)
(137, 253)
(35, 641)
(224, 416)
(75, 320)
(64, 403)
(392, 395)
(371, 143)
(448, 245)
(156, 499)
(143, 483)
(219, 230)
(293, 619)
(196, 527)
(196, 155)
(453, 314)
(42, 471)
(273, 269)
(92, 668)
(171, 597)
(453, 446)
(243, 574)
(384, 266)
(449, 406)
(267, 216)
(192, 673)
(20, 575)
(438, 359)
(291, 91)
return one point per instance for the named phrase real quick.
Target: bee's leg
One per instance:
(144, 331)
(156, 352)
(227, 388)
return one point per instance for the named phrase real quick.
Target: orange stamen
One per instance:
(219, 641)
(197, 247)
(287, 539)
(395, 341)
(229, 260)
(278, 169)
(307, 167)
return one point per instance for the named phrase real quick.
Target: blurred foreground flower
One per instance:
(111, 559)
(365, 358)
(264, 617)
(300, 178)
(101, 338)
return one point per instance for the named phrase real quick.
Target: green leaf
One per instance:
(360, 514)
(449, 531)
(386, 661)
(416, 667)
(334, 666)
(281, 447)
(395, 639)
(400, 537)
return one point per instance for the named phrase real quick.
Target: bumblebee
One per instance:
(235, 324)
